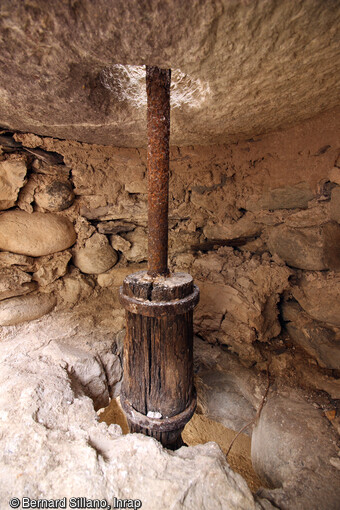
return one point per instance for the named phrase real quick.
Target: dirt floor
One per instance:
(201, 430)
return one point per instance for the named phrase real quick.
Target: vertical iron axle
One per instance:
(158, 120)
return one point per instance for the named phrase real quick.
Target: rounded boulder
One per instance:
(56, 196)
(25, 308)
(35, 234)
(96, 257)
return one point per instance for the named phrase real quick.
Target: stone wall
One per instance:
(256, 223)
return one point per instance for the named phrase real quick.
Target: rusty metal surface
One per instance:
(171, 424)
(159, 308)
(158, 120)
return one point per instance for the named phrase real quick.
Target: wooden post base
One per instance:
(158, 395)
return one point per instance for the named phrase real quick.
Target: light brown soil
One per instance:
(201, 430)
(113, 414)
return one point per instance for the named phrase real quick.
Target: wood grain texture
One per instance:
(158, 352)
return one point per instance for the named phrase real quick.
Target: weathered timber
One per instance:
(158, 358)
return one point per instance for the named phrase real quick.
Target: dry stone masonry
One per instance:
(258, 231)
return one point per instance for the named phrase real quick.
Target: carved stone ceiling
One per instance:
(75, 69)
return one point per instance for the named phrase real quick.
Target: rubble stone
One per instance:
(12, 178)
(238, 299)
(313, 248)
(287, 197)
(335, 204)
(14, 282)
(51, 267)
(55, 196)
(319, 296)
(316, 338)
(35, 234)
(25, 308)
(96, 257)
(291, 461)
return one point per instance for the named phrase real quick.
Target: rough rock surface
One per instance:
(313, 248)
(73, 288)
(334, 174)
(81, 457)
(8, 259)
(318, 339)
(290, 461)
(227, 391)
(238, 301)
(335, 204)
(119, 243)
(51, 267)
(12, 178)
(96, 257)
(287, 197)
(92, 331)
(25, 308)
(139, 245)
(244, 228)
(279, 59)
(26, 195)
(14, 282)
(114, 278)
(316, 292)
(86, 369)
(55, 196)
(316, 215)
(35, 234)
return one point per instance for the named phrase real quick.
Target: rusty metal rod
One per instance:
(158, 121)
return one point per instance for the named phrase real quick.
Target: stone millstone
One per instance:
(279, 57)
(35, 234)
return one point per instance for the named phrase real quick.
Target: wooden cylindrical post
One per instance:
(158, 394)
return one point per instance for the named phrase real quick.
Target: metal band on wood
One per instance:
(158, 424)
(159, 308)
